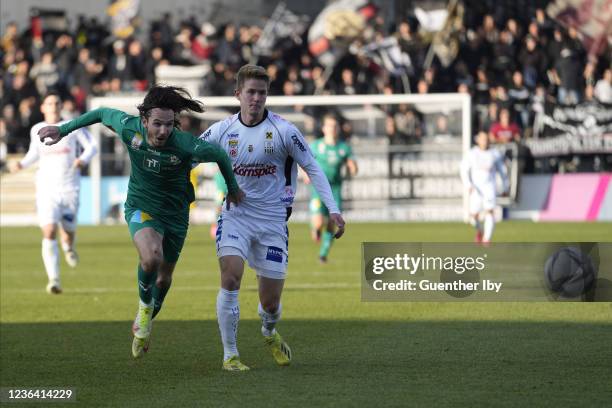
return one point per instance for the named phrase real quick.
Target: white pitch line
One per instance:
(303, 286)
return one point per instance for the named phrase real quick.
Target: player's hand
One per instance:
(14, 166)
(339, 221)
(78, 164)
(49, 135)
(235, 198)
(306, 179)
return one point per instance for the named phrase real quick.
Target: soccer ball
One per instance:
(569, 272)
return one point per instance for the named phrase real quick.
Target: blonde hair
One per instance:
(250, 71)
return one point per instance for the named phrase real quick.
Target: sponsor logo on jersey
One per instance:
(233, 152)
(250, 148)
(151, 164)
(268, 146)
(174, 160)
(255, 170)
(232, 143)
(298, 142)
(232, 236)
(274, 254)
(233, 136)
(136, 141)
(268, 135)
(288, 196)
(155, 152)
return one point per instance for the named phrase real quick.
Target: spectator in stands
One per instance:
(520, 96)
(118, 67)
(603, 87)
(137, 62)
(567, 69)
(533, 61)
(504, 131)
(45, 73)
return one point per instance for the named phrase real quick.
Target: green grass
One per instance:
(346, 352)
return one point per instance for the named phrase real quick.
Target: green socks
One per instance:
(326, 244)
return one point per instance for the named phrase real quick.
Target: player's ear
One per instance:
(237, 93)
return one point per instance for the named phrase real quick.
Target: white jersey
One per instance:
(479, 167)
(56, 171)
(264, 158)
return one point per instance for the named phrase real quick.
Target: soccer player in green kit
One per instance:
(331, 154)
(159, 190)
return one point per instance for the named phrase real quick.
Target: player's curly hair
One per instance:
(169, 97)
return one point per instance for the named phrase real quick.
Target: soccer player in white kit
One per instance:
(478, 172)
(57, 187)
(265, 150)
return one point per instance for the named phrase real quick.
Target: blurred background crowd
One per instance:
(511, 57)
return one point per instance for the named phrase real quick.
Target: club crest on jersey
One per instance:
(268, 146)
(232, 143)
(268, 135)
(174, 160)
(233, 152)
(250, 148)
(136, 141)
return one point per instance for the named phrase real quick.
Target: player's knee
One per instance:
(270, 305)
(151, 262)
(230, 281)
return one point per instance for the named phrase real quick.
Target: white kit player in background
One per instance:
(57, 187)
(478, 172)
(265, 150)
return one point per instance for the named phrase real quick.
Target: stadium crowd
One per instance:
(510, 62)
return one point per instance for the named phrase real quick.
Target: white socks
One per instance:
(228, 315)
(50, 258)
(269, 320)
(489, 226)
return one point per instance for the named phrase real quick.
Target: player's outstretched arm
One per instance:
(109, 117)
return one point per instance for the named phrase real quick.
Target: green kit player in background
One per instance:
(159, 190)
(331, 154)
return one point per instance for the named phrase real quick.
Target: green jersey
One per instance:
(331, 158)
(159, 180)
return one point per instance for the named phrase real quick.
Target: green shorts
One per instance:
(316, 205)
(173, 235)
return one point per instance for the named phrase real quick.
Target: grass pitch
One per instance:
(346, 352)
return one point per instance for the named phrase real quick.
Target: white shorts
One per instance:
(53, 208)
(482, 199)
(264, 244)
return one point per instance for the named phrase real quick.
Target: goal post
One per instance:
(396, 183)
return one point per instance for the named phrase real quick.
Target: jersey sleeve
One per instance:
(89, 147)
(212, 134)
(33, 153)
(112, 118)
(298, 149)
(203, 151)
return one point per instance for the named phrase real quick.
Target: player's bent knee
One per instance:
(151, 262)
(163, 281)
(230, 281)
(269, 305)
